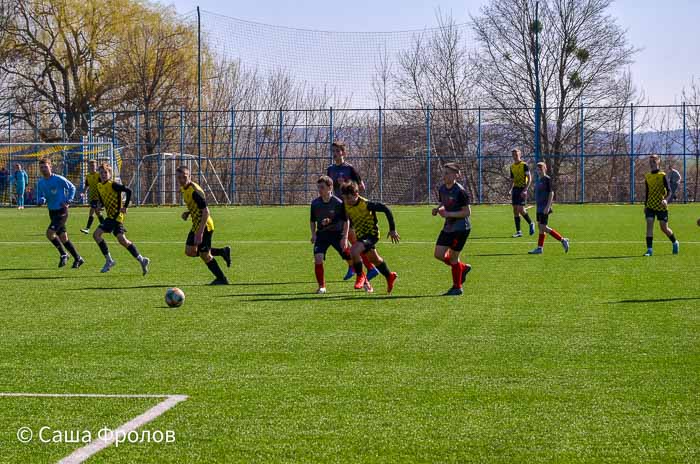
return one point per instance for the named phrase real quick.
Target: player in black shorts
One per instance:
(329, 228)
(658, 194)
(520, 174)
(454, 207)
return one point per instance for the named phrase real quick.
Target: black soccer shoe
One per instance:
(63, 261)
(466, 271)
(78, 262)
(223, 281)
(453, 292)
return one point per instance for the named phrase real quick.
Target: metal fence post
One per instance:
(479, 157)
(685, 153)
(232, 187)
(331, 135)
(583, 159)
(427, 130)
(381, 158)
(280, 155)
(632, 196)
(137, 160)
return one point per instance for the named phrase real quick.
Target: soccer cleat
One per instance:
(85, 230)
(565, 244)
(676, 247)
(78, 262)
(390, 282)
(517, 234)
(453, 292)
(349, 274)
(62, 260)
(227, 256)
(360, 281)
(368, 286)
(321, 291)
(536, 251)
(223, 281)
(109, 264)
(649, 252)
(144, 265)
(467, 269)
(372, 273)
(532, 228)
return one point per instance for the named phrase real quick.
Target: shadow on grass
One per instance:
(129, 287)
(609, 257)
(27, 269)
(656, 300)
(39, 278)
(496, 254)
(356, 297)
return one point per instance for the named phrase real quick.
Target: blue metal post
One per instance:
(232, 189)
(538, 105)
(62, 118)
(427, 130)
(632, 196)
(331, 135)
(199, 96)
(582, 167)
(182, 138)
(306, 154)
(381, 157)
(280, 155)
(138, 158)
(685, 152)
(36, 127)
(479, 158)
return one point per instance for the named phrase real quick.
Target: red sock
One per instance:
(457, 275)
(540, 240)
(446, 259)
(319, 275)
(555, 234)
(365, 260)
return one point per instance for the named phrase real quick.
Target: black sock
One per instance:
(216, 270)
(672, 238)
(517, 223)
(100, 218)
(357, 267)
(71, 249)
(217, 251)
(57, 243)
(527, 218)
(103, 247)
(134, 252)
(649, 241)
(90, 219)
(384, 269)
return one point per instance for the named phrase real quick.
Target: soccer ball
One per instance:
(174, 297)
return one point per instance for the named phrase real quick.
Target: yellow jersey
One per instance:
(657, 190)
(520, 173)
(92, 179)
(111, 198)
(193, 196)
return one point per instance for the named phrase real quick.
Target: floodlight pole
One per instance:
(199, 97)
(538, 105)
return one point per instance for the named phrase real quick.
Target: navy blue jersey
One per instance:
(333, 210)
(340, 174)
(543, 188)
(454, 199)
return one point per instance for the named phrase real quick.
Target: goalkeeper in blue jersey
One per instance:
(57, 191)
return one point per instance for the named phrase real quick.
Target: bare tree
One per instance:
(583, 54)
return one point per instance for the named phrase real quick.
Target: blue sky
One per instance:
(666, 32)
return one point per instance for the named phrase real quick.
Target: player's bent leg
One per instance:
(213, 265)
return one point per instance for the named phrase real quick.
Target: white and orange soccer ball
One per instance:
(174, 297)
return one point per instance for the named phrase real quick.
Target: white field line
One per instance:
(481, 241)
(82, 454)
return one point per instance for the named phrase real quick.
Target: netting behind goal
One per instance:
(67, 159)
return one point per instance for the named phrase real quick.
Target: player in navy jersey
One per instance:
(57, 192)
(329, 227)
(454, 207)
(341, 172)
(544, 195)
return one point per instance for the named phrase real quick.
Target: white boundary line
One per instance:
(82, 454)
(481, 241)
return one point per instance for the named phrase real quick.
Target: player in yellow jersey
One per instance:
(199, 239)
(363, 218)
(91, 181)
(115, 207)
(658, 195)
(520, 174)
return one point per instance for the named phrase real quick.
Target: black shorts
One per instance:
(368, 242)
(661, 215)
(206, 241)
(58, 219)
(95, 204)
(542, 218)
(517, 198)
(112, 226)
(453, 240)
(329, 239)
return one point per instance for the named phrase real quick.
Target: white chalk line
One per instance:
(82, 454)
(479, 241)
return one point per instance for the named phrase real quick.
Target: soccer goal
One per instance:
(69, 159)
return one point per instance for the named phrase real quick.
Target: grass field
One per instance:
(590, 356)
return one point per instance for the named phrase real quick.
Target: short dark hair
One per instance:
(183, 169)
(350, 188)
(325, 180)
(339, 144)
(45, 160)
